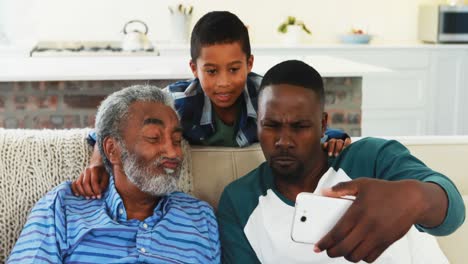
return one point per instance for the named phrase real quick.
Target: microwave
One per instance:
(443, 23)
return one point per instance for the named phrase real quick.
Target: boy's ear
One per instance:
(112, 150)
(193, 67)
(250, 61)
(324, 122)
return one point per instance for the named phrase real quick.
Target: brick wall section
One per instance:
(71, 104)
(67, 104)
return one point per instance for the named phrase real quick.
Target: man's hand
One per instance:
(382, 213)
(335, 146)
(93, 180)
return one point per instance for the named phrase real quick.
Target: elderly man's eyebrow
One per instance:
(153, 121)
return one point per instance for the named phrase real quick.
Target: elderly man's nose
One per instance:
(172, 149)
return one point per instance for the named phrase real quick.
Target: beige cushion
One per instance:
(213, 168)
(455, 246)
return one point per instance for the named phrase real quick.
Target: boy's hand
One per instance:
(336, 146)
(93, 180)
(382, 213)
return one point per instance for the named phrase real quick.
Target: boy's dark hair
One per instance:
(218, 27)
(297, 73)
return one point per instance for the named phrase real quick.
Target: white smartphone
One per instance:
(315, 216)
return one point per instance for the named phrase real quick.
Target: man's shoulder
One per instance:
(244, 192)
(190, 204)
(62, 197)
(371, 141)
(61, 192)
(374, 145)
(250, 181)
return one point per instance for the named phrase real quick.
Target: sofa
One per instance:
(34, 161)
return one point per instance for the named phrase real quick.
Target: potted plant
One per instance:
(292, 28)
(180, 19)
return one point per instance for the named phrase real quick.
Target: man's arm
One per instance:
(42, 238)
(443, 209)
(235, 247)
(406, 192)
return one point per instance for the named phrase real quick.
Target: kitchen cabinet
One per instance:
(448, 74)
(396, 103)
(426, 94)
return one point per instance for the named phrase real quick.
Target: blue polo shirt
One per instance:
(66, 228)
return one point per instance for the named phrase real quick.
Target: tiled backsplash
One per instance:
(71, 104)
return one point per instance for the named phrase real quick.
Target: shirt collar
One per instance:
(248, 102)
(116, 207)
(206, 117)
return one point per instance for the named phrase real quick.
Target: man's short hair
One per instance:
(295, 72)
(218, 27)
(113, 112)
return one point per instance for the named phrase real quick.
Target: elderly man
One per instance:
(142, 217)
(394, 191)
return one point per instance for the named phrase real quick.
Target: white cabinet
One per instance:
(450, 83)
(426, 95)
(394, 104)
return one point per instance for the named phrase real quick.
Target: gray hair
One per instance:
(113, 112)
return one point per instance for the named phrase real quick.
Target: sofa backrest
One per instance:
(34, 161)
(215, 167)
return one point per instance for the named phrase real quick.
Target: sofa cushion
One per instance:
(213, 168)
(455, 246)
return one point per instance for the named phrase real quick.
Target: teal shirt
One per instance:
(368, 157)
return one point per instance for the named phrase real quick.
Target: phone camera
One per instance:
(303, 219)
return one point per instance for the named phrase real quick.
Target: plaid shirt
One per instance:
(196, 114)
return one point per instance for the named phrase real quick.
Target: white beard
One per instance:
(143, 177)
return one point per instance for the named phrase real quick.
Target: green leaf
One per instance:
(304, 27)
(283, 28)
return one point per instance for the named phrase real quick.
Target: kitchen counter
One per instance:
(153, 68)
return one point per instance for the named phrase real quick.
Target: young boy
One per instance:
(219, 106)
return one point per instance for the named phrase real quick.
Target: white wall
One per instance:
(29, 20)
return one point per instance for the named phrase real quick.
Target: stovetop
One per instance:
(87, 48)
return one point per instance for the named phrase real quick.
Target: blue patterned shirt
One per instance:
(69, 229)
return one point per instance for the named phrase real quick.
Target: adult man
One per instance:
(393, 190)
(141, 218)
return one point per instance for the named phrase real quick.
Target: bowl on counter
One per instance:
(355, 38)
